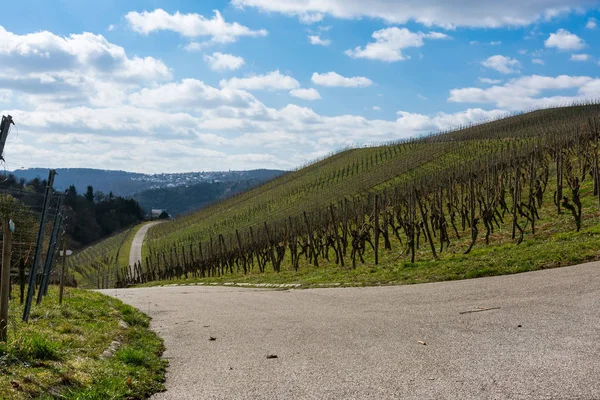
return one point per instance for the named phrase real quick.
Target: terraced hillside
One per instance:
(424, 199)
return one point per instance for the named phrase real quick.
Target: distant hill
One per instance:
(122, 183)
(183, 199)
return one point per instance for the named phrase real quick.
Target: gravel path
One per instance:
(536, 336)
(135, 254)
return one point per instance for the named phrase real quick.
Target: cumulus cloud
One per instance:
(316, 40)
(390, 42)
(310, 18)
(221, 62)
(190, 25)
(131, 138)
(490, 81)
(46, 55)
(502, 64)
(95, 105)
(306, 94)
(333, 79)
(190, 93)
(444, 13)
(527, 91)
(592, 23)
(564, 40)
(274, 80)
(48, 70)
(580, 57)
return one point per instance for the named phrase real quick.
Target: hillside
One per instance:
(122, 183)
(186, 198)
(520, 181)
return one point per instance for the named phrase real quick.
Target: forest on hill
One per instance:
(90, 216)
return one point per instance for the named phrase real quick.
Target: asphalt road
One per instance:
(538, 339)
(135, 253)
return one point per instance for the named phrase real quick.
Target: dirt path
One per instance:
(535, 336)
(135, 254)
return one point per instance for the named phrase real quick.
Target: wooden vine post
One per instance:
(5, 280)
(376, 225)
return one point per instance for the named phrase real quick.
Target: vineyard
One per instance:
(404, 202)
(97, 266)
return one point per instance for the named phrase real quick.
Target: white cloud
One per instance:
(131, 138)
(111, 28)
(221, 62)
(47, 70)
(390, 42)
(190, 94)
(190, 25)
(316, 40)
(305, 94)
(376, 108)
(123, 112)
(564, 40)
(441, 121)
(47, 54)
(444, 13)
(196, 46)
(80, 101)
(526, 92)
(580, 57)
(522, 52)
(310, 18)
(490, 81)
(502, 64)
(492, 43)
(333, 79)
(592, 23)
(537, 61)
(274, 80)
(421, 97)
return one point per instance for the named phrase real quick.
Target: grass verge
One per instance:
(58, 354)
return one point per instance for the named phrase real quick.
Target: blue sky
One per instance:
(157, 86)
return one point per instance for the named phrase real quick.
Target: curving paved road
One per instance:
(538, 339)
(135, 253)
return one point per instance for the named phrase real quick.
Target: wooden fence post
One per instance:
(62, 273)
(5, 280)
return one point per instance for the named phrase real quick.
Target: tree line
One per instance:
(90, 217)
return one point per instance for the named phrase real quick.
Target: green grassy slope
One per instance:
(58, 353)
(348, 179)
(353, 172)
